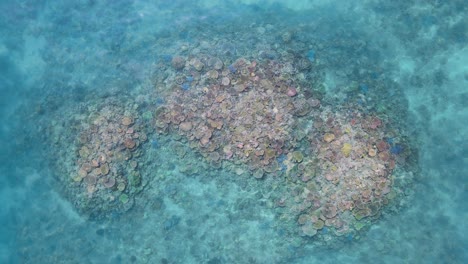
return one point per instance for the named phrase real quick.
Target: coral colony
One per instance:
(246, 114)
(335, 164)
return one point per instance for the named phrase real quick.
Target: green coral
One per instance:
(346, 149)
(360, 214)
(297, 156)
(147, 115)
(121, 187)
(359, 225)
(319, 224)
(134, 179)
(123, 198)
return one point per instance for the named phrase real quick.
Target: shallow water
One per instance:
(71, 72)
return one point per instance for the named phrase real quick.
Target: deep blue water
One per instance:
(65, 64)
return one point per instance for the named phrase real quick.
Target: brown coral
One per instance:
(328, 137)
(178, 62)
(127, 121)
(129, 143)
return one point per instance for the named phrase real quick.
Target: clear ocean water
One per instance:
(250, 131)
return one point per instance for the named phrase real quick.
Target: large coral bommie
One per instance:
(254, 115)
(244, 111)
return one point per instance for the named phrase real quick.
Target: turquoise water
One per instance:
(233, 131)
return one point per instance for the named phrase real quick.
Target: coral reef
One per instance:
(352, 173)
(243, 115)
(104, 171)
(253, 114)
(264, 120)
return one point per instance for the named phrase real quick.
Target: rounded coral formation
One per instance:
(178, 62)
(107, 139)
(328, 137)
(350, 182)
(346, 149)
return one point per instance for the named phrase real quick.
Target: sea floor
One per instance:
(332, 132)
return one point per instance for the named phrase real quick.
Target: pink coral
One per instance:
(291, 92)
